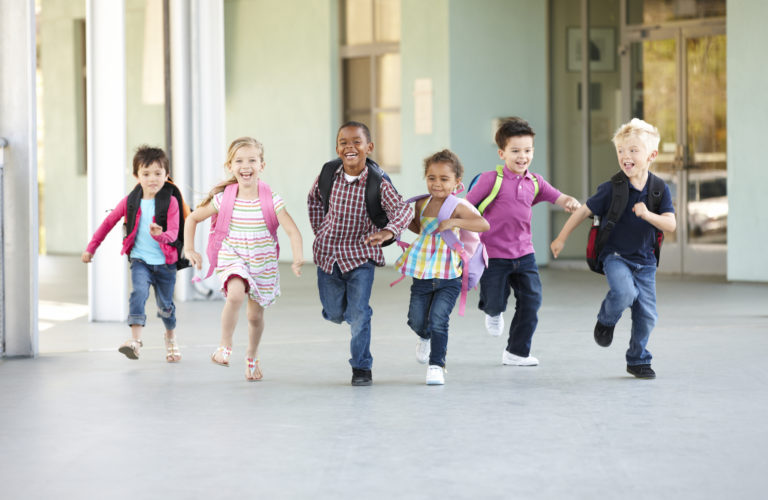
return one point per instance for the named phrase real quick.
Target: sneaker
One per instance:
(423, 348)
(494, 324)
(603, 334)
(361, 377)
(511, 359)
(641, 371)
(435, 375)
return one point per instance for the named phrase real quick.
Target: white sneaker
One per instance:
(435, 375)
(510, 359)
(494, 324)
(423, 348)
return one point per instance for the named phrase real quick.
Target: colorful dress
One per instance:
(249, 251)
(429, 257)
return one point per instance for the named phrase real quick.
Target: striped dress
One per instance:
(429, 257)
(249, 251)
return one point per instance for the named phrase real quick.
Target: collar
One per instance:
(360, 178)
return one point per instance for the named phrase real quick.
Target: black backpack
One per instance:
(600, 231)
(372, 190)
(162, 202)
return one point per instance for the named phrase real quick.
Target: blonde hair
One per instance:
(642, 130)
(238, 143)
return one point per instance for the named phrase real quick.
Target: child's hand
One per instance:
(296, 266)
(446, 225)
(155, 229)
(86, 257)
(571, 205)
(557, 246)
(379, 237)
(194, 258)
(640, 209)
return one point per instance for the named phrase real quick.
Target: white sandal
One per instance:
(225, 353)
(172, 353)
(131, 348)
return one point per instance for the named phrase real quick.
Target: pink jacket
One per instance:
(169, 236)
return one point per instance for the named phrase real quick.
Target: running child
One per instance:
(152, 248)
(435, 268)
(246, 260)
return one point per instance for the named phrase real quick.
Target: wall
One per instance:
(747, 174)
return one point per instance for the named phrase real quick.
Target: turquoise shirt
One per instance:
(146, 247)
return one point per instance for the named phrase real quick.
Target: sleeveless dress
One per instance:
(429, 256)
(249, 251)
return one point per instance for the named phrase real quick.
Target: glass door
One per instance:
(674, 78)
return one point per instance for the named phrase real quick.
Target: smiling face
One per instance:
(518, 153)
(246, 165)
(152, 178)
(441, 179)
(353, 148)
(634, 157)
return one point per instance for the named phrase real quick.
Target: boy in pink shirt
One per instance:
(512, 265)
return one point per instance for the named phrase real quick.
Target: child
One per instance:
(246, 259)
(435, 268)
(347, 243)
(628, 259)
(512, 265)
(149, 246)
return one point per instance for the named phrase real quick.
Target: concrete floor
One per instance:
(82, 421)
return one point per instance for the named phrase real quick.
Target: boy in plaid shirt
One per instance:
(347, 244)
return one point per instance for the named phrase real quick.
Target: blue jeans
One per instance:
(432, 301)
(522, 276)
(634, 286)
(345, 297)
(163, 279)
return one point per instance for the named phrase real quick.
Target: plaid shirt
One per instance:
(340, 234)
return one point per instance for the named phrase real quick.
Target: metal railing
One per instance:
(3, 145)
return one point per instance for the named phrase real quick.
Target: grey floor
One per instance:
(82, 421)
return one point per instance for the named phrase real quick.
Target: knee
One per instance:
(256, 318)
(166, 312)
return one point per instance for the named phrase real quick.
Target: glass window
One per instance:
(658, 11)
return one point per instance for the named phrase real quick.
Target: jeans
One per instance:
(634, 286)
(432, 301)
(344, 297)
(522, 276)
(163, 279)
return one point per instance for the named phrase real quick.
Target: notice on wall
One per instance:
(422, 106)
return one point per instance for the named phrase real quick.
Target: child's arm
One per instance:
(106, 226)
(398, 212)
(464, 218)
(663, 222)
(315, 207)
(190, 224)
(415, 224)
(573, 221)
(286, 221)
(172, 225)
(567, 203)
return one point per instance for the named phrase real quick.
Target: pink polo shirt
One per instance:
(510, 213)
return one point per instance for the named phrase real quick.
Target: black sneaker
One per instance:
(641, 371)
(603, 334)
(361, 377)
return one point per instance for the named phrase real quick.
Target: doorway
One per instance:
(674, 77)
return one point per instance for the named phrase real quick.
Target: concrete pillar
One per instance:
(106, 97)
(18, 322)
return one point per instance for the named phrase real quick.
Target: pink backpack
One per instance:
(220, 222)
(474, 258)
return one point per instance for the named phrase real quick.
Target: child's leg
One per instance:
(418, 309)
(164, 283)
(527, 285)
(333, 294)
(445, 295)
(622, 291)
(236, 294)
(643, 316)
(255, 328)
(358, 314)
(141, 280)
(494, 287)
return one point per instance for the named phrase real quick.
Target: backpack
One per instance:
(372, 190)
(497, 187)
(220, 222)
(468, 246)
(601, 230)
(162, 203)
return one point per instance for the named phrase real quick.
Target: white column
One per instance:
(106, 110)
(18, 315)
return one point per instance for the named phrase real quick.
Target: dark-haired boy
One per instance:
(512, 265)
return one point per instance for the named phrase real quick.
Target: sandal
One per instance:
(131, 348)
(225, 353)
(252, 370)
(172, 353)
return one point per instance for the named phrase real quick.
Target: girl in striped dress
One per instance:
(434, 267)
(246, 260)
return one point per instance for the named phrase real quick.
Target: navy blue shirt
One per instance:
(632, 237)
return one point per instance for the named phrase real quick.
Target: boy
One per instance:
(511, 264)
(628, 259)
(152, 228)
(347, 243)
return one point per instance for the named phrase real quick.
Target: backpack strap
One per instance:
(494, 190)
(131, 208)
(619, 200)
(453, 242)
(220, 228)
(162, 204)
(656, 187)
(268, 211)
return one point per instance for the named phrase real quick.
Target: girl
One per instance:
(435, 268)
(246, 259)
